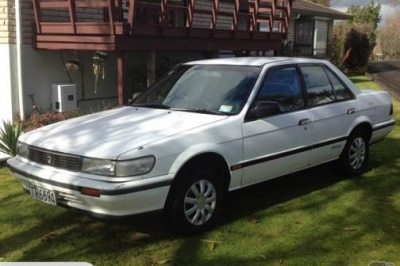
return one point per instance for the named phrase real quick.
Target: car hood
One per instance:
(108, 134)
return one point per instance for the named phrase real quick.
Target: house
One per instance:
(310, 30)
(39, 38)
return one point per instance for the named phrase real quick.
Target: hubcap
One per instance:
(357, 153)
(200, 202)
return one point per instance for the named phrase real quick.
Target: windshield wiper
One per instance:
(152, 105)
(202, 111)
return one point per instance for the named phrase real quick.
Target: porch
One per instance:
(160, 25)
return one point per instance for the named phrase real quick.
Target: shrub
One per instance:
(359, 48)
(9, 137)
(48, 117)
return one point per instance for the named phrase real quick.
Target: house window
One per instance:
(311, 37)
(320, 37)
(303, 43)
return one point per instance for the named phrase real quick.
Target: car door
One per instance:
(277, 144)
(333, 109)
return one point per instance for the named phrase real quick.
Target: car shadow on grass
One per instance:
(73, 234)
(249, 200)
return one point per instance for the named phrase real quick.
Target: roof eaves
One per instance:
(308, 8)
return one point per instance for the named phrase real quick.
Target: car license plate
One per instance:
(43, 195)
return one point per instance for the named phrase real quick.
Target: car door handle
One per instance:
(304, 121)
(351, 111)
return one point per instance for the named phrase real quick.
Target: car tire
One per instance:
(354, 158)
(195, 201)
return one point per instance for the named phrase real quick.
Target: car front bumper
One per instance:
(116, 198)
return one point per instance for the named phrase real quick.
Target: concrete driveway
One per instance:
(386, 73)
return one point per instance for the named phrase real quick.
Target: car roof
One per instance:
(252, 61)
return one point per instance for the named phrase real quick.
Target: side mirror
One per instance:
(263, 109)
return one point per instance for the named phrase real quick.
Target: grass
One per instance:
(315, 217)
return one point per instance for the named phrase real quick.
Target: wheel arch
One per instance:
(211, 160)
(364, 127)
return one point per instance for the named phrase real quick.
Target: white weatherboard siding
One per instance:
(41, 68)
(8, 104)
(8, 81)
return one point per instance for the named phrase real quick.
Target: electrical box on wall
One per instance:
(63, 97)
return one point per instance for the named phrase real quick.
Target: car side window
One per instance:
(341, 92)
(318, 86)
(282, 86)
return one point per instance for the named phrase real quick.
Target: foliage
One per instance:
(363, 24)
(9, 137)
(48, 117)
(368, 14)
(358, 48)
(389, 37)
(339, 35)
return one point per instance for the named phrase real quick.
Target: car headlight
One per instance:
(22, 149)
(98, 166)
(139, 166)
(111, 168)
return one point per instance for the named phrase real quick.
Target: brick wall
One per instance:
(7, 21)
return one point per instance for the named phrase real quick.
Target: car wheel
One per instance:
(195, 201)
(354, 158)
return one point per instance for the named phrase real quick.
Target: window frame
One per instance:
(300, 84)
(326, 69)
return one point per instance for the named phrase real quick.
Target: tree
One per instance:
(369, 14)
(389, 37)
(358, 48)
(355, 39)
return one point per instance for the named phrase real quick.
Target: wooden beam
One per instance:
(76, 39)
(131, 12)
(121, 69)
(214, 12)
(111, 15)
(141, 43)
(151, 67)
(163, 12)
(75, 46)
(37, 13)
(190, 7)
(72, 15)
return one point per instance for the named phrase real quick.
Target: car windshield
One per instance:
(211, 89)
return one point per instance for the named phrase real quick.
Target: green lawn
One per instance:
(315, 217)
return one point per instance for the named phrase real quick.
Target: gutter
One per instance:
(19, 58)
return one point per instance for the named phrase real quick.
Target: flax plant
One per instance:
(9, 134)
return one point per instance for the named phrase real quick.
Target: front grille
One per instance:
(58, 160)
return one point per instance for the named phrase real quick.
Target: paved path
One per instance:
(386, 73)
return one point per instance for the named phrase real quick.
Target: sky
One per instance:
(386, 10)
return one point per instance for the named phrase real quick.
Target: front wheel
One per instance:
(194, 202)
(354, 159)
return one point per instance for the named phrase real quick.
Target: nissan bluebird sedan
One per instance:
(205, 128)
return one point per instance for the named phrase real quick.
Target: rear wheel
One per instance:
(354, 159)
(195, 201)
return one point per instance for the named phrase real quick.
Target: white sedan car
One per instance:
(205, 128)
